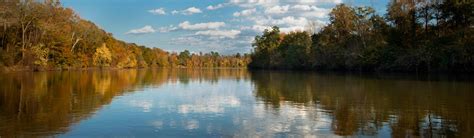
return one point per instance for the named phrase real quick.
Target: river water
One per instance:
(234, 103)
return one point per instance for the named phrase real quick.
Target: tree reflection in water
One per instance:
(275, 103)
(47, 103)
(363, 105)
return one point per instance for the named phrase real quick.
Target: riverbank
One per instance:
(31, 69)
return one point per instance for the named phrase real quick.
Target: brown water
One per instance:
(233, 102)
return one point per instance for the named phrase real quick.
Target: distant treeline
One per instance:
(425, 36)
(44, 35)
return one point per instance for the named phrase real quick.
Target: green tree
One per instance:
(295, 49)
(184, 57)
(264, 48)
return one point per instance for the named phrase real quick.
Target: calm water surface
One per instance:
(233, 103)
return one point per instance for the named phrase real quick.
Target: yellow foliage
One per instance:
(40, 53)
(128, 62)
(102, 56)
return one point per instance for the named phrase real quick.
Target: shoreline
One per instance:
(29, 69)
(4, 69)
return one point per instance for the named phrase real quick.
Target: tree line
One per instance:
(45, 35)
(422, 36)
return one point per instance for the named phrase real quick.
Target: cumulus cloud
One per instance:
(159, 11)
(313, 11)
(250, 18)
(246, 12)
(277, 9)
(302, 7)
(192, 10)
(186, 25)
(168, 29)
(320, 1)
(144, 30)
(289, 21)
(288, 15)
(270, 3)
(220, 33)
(253, 3)
(286, 24)
(188, 11)
(174, 12)
(218, 6)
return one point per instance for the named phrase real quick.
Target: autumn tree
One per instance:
(102, 56)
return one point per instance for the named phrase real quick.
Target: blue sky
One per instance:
(225, 26)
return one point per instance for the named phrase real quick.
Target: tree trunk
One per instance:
(23, 32)
(24, 29)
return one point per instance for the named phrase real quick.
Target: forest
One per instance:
(43, 35)
(412, 36)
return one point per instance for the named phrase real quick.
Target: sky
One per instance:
(224, 26)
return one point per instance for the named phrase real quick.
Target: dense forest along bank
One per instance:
(37, 35)
(419, 36)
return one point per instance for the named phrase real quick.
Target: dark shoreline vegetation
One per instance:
(46, 36)
(412, 37)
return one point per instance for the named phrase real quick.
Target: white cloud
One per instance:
(286, 24)
(174, 12)
(260, 28)
(313, 11)
(253, 3)
(192, 10)
(301, 7)
(168, 29)
(254, 16)
(188, 11)
(159, 11)
(220, 33)
(218, 6)
(270, 3)
(277, 9)
(246, 12)
(287, 21)
(144, 30)
(256, 28)
(289, 15)
(320, 1)
(186, 25)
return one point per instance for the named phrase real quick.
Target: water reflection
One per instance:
(47, 103)
(232, 102)
(367, 105)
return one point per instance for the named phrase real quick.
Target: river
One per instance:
(234, 103)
